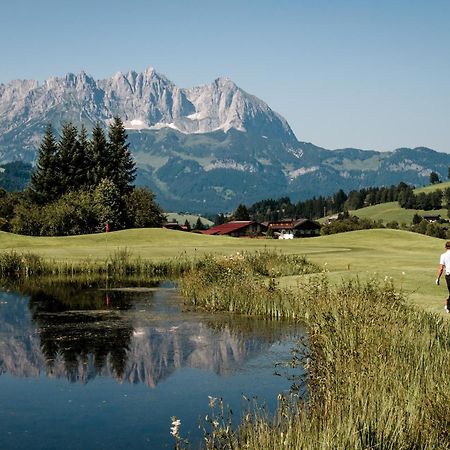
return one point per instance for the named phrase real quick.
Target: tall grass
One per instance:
(378, 368)
(14, 265)
(239, 283)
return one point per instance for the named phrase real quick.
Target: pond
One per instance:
(94, 368)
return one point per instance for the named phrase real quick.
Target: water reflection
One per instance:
(131, 335)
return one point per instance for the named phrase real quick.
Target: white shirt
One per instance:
(445, 261)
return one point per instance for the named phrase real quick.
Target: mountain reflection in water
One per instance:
(137, 336)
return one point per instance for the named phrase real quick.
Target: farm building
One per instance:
(432, 218)
(238, 228)
(175, 226)
(297, 227)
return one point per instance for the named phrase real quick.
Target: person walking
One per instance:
(444, 264)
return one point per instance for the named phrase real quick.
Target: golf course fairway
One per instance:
(411, 259)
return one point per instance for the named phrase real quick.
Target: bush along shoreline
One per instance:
(377, 367)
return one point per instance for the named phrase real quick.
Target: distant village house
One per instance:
(238, 228)
(286, 228)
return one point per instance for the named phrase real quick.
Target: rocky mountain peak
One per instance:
(146, 100)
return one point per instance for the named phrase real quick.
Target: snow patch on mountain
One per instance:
(136, 124)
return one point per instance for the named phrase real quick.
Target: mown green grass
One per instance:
(410, 259)
(388, 212)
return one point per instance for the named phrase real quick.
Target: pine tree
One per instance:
(241, 213)
(79, 161)
(122, 167)
(99, 157)
(68, 153)
(199, 224)
(45, 178)
(434, 178)
(219, 219)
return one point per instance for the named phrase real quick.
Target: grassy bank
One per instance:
(26, 266)
(389, 212)
(411, 259)
(378, 368)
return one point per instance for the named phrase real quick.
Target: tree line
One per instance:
(80, 185)
(317, 207)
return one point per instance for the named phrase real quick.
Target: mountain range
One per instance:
(203, 149)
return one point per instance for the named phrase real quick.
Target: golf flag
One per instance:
(107, 227)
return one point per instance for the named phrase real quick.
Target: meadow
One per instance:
(409, 258)
(391, 211)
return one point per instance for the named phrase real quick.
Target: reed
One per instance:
(377, 367)
(121, 264)
(239, 283)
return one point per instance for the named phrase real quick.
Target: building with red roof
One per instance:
(237, 228)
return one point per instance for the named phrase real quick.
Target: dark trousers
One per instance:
(447, 279)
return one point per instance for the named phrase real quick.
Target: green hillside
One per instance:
(433, 187)
(410, 259)
(388, 212)
(191, 218)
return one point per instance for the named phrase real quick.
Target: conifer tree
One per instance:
(99, 157)
(79, 160)
(69, 150)
(241, 213)
(199, 224)
(44, 180)
(122, 168)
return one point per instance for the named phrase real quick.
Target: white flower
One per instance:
(176, 423)
(212, 401)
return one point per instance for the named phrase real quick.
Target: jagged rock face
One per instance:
(145, 100)
(204, 149)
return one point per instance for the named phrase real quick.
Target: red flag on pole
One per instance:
(107, 227)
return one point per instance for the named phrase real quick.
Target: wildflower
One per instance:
(176, 423)
(403, 273)
(212, 401)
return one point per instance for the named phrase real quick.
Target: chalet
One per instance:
(238, 228)
(295, 227)
(173, 226)
(432, 218)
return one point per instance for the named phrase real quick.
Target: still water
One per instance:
(96, 369)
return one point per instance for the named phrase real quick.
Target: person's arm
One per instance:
(440, 272)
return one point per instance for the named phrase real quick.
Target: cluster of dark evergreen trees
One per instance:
(75, 162)
(81, 185)
(317, 207)
(273, 210)
(427, 201)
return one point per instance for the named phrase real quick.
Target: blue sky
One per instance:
(368, 74)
